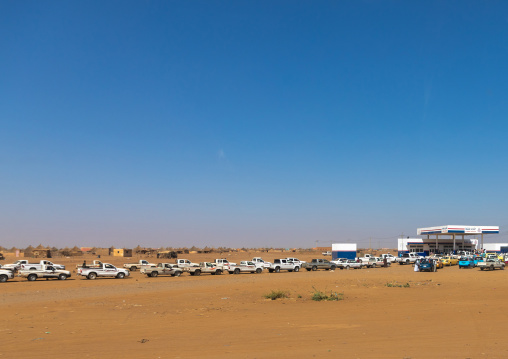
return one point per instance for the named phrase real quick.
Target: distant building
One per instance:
(343, 250)
(122, 252)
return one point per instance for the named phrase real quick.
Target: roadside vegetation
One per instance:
(277, 294)
(397, 285)
(319, 296)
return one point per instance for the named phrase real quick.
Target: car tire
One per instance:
(32, 277)
(218, 272)
(277, 269)
(178, 273)
(154, 274)
(62, 277)
(314, 268)
(236, 271)
(133, 268)
(258, 270)
(197, 272)
(120, 276)
(297, 269)
(3, 278)
(333, 267)
(92, 275)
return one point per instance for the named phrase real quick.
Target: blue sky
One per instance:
(250, 123)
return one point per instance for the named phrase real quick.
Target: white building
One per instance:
(344, 250)
(446, 239)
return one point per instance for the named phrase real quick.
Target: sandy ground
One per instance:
(454, 313)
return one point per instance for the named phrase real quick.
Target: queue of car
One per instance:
(257, 265)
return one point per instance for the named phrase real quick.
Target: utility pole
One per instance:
(370, 244)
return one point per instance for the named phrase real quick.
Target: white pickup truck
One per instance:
(105, 270)
(295, 260)
(185, 263)
(162, 269)
(245, 267)
(26, 265)
(223, 263)
(16, 265)
(6, 274)
(134, 266)
(390, 258)
(283, 264)
(205, 267)
(408, 258)
(260, 262)
(366, 258)
(45, 272)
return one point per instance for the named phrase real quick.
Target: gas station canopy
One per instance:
(457, 230)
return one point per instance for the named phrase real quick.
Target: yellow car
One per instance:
(495, 255)
(449, 261)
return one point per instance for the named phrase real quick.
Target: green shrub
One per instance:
(333, 296)
(392, 284)
(276, 294)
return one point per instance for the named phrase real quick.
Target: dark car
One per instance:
(427, 265)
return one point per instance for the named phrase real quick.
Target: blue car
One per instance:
(427, 265)
(467, 262)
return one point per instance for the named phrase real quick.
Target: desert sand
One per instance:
(454, 313)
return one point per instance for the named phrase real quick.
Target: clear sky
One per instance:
(250, 123)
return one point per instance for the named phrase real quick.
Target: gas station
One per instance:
(448, 239)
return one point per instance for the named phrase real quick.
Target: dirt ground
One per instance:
(454, 313)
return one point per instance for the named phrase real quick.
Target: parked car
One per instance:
(206, 267)
(467, 262)
(366, 258)
(162, 269)
(426, 265)
(260, 262)
(6, 274)
(338, 262)
(295, 260)
(351, 264)
(408, 258)
(319, 263)
(439, 264)
(449, 261)
(103, 270)
(283, 264)
(377, 262)
(245, 267)
(45, 272)
(491, 264)
(327, 253)
(141, 264)
(389, 257)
